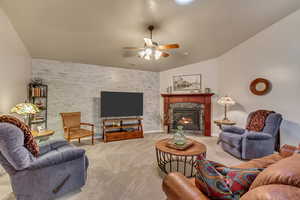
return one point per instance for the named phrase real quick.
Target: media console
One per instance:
(116, 129)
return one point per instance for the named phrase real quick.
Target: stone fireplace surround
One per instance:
(204, 99)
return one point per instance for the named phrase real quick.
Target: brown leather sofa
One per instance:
(279, 181)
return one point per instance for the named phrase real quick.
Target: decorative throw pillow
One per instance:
(225, 170)
(239, 180)
(29, 141)
(210, 181)
(257, 120)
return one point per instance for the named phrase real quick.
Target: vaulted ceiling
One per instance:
(94, 31)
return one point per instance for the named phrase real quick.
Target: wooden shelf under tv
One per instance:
(123, 119)
(113, 132)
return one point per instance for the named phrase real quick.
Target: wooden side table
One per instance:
(43, 135)
(220, 123)
(183, 161)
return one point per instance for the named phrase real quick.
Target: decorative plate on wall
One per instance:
(260, 86)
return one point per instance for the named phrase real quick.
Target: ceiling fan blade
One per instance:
(164, 54)
(132, 48)
(148, 42)
(168, 46)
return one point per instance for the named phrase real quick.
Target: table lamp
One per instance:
(25, 109)
(226, 101)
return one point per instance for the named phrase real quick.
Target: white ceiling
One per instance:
(94, 31)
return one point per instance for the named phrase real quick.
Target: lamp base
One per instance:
(225, 113)
(226, 119)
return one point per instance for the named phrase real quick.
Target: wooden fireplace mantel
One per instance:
(200, 98)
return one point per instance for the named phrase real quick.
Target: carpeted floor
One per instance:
(125, 170)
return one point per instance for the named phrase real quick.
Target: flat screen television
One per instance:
(121, 104)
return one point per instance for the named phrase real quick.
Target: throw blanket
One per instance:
(257, 120)
(29, 141)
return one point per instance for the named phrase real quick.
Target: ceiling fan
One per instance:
(152, 50)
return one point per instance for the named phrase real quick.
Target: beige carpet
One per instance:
(125, 170)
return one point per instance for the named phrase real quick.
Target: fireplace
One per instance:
(194, 107)
(190, 112)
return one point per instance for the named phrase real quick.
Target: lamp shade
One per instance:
(226, 101)
(25, 108)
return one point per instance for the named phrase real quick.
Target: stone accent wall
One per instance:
(76, 87)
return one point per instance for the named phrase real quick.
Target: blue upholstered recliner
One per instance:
(248, 145)
(59, 169)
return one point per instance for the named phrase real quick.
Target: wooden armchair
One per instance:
(72, 127)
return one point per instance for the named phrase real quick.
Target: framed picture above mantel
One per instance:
(191, 82)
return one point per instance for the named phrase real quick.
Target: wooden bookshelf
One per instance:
(122, 129)
(38, 95)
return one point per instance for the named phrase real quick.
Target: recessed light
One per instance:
(184, 2)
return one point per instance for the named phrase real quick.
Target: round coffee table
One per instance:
(170, 160)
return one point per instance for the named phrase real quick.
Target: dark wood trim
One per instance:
(204, 99)
(187, 94)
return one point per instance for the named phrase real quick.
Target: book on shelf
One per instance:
(38, 118)
(42, 108)
(38, 121)
(38, 91)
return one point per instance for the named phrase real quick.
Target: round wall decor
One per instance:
(260, 86)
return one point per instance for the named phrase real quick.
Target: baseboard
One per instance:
(98, 137)
(154, 131)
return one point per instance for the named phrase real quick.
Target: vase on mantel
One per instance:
(179, 138)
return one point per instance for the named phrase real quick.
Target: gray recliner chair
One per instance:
(247, 145)
(59, 169)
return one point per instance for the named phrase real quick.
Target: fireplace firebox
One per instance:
(192, 114)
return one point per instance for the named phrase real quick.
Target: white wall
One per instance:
(210, 79)
(273, 54)
(15, 66)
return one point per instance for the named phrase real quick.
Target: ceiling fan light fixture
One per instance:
(147, 57)
(157, 54)
(152, 50)
(150, 54)
(148, 51)
(142, 54)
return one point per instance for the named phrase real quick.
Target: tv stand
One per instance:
(116, 129)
